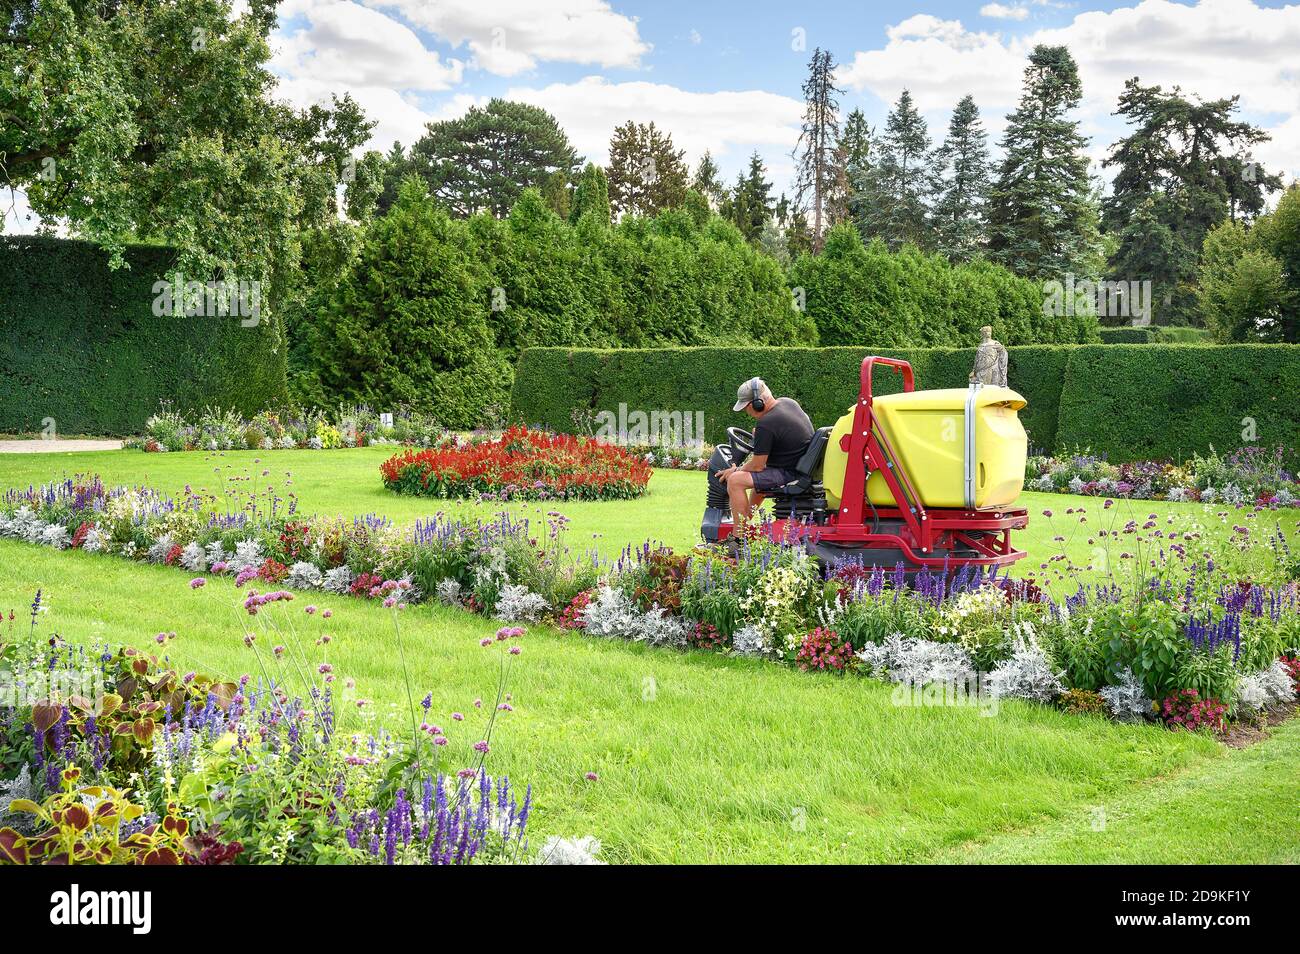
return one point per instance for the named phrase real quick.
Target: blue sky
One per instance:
(726, 76)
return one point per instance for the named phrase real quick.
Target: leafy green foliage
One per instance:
(83, 347)
(1182, 170)
(1155, 402)
(646, 174)
(1250, 279)
(959, 211)
(869, 295)
(484, 160)
(408, 323)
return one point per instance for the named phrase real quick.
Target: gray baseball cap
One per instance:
(746, 393)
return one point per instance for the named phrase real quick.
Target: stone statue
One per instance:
(990, 360)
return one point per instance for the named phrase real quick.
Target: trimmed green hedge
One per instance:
(551, 384)
(1138, 402)
(1130, 402)
(1156, 334)
(79, 343)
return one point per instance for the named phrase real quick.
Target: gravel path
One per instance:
(56, 446)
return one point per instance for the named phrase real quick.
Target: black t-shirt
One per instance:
(783, 433)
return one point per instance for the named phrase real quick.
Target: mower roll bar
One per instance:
(902, 367)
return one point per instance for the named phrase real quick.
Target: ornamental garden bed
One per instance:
(1193, 629)
(1250, 475)
(521, 464)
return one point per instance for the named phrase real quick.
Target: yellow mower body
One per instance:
(960, 447)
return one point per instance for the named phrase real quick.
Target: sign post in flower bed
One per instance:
(521, 464)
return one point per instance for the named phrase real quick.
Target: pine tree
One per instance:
(485, 159)
(591, 195)
(901, 183)
(964, 160)
(646, 174)
(815, 173)
(707, 182)
(1038, 208)
(798, 237)
(749, 205)
(852, 167)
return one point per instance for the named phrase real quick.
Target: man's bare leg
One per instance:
(739, 485)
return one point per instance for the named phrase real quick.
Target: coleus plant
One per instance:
(92, 825)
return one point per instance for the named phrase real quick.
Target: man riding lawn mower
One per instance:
(928, 479)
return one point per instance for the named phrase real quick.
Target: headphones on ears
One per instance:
(756, 402)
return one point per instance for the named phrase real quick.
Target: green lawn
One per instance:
(700, 757)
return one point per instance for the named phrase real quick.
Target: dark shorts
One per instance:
(770, 478)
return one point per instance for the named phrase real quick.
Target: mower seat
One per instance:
(804, 496)
(809, 467)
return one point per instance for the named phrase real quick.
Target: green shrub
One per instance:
(80, 344)
(1155, 334)
(555, 387)
(1152, 402)
(910, 299)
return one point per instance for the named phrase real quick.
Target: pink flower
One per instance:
(324, 669)
(326, 614)
(440, 740)
(482, 747)
(485, 642)
(219, 566)
(309, 610)
(592, 777)
(197, 582)
(277, 652)
(457, 717)
(249, 639)
(515, 650)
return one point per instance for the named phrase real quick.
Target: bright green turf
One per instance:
(701, 758)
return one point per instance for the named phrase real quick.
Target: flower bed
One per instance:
(1184, 610)
(218, 430)
(521, 464)
(120, 757)
(1251, 475)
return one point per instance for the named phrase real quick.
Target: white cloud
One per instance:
(508, 37)
(1214, 48)
(999, 11)
(696, 38)
(348, 45)
(728, 124)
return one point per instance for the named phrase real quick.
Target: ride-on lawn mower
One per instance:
(926, 479)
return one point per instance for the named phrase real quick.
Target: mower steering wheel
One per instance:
(741, 441)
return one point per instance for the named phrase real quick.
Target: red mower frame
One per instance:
(927, 538)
